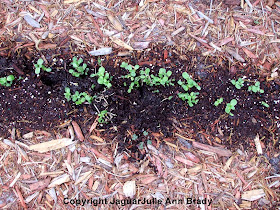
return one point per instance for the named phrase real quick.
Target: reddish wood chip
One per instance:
(40, 185)
(219, 151)
(78, 131)
(185, 161)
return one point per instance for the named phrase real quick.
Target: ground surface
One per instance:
(153, 147)
(146, 108)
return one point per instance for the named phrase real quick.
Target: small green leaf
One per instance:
(265, 104)
(180, 82)
(37, 71)
(233, 102)
(124, 65)
(80, 61)
(134, 137)
(185, 75)
(141, 145)
(10, 78)
(100, 80)
(101, 71)
(67, 89)
(145, 133)
(40, 61)
(162, 71)
(3, 80)
(169, 73)
(228, 109)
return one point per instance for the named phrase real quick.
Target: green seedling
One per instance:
(265, 104)
(40, 66)
(191, 98)
(145, 133)
(190, 82)
(238, 84)
(7, 81)
(162, 78)
(131, 69)
(218, 101)
(132, 75)
(78, 68)
(78, 98)
(231, 106)
(134, 137)
(67, 93)
(103, 77)
(145, 76)
(141, 145)
(256, 88)
(101, 116)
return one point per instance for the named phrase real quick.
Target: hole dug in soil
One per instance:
(38, 102)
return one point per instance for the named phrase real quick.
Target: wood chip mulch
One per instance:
(66, 168)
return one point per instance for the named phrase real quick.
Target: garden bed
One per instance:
(148, 146)
(37, 101)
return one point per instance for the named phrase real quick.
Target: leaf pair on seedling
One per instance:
(231, 106)
(132, 75)
(7, 81)
(103, 77)
(256, 88)
(162, 78)
(145, 78)
(190, 82)
(238, 84)
(102, 116)
(218, 101)
(191, 98)
(78, 98)
(78, 68)
(40, 66)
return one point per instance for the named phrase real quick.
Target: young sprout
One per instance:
(256, 88)
(238, 84)
(218, 101)
(145, 133)
(191, 98)
(163, 78)
(103, 77)
(132, 75)
(265, 104)
(67, 94)
(101, 116)
(134, 137)
(231, 106)
(145, 76)
(40, 66)
(141, 145)
(78, 98)
(78, 70)
(7, 81)
(190, 82)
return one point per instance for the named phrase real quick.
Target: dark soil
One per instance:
(38, 102)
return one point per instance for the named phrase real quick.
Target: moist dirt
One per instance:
(38, 102)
